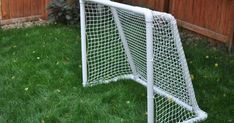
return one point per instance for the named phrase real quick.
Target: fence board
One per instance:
(161, 5)
(4, 9)
(12, 8)
(231, 31)
(34, 7)
(44, 9)
(27, 8)
(0, 9)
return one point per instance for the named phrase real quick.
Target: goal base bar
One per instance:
(201, 115)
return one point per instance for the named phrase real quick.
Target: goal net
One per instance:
(126, 42)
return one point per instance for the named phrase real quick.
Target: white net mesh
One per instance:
(107, 59)
(133, 25)
(105, 53)
(169, 75)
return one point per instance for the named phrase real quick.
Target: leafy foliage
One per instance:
(64, 11)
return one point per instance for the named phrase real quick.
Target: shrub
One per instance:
(64, 11)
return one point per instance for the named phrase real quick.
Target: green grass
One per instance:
(40, 81)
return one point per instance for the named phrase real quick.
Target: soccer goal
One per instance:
(127, 42)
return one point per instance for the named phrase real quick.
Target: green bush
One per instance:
(64, 11)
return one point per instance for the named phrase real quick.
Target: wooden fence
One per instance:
(212, 18)
(22, 10)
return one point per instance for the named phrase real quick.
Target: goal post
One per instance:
(83, 42)
(149, 63)
(120, 41)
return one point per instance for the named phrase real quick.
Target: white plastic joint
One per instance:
(148, 16)
(82, 2)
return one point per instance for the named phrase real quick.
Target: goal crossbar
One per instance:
(136, 9)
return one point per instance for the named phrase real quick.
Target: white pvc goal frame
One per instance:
(149, 82)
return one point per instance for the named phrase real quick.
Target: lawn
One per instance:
(40, 81)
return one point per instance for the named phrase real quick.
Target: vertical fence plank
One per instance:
(197, 11)
(27, 8)
(5, 9)
(0, 10)
(39, 7)
(162, 5)
(20, 8)
(214, 15)
(12, 6)
(231, 29)
(34, 7)
(226, 17)
(150, 4)
(189, 8)
(45, 11)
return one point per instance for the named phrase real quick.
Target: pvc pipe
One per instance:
(135, 9)
(201, 116)
(83, 42)
(150, 70)
(166, 95)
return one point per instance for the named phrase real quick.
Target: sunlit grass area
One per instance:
(40, 81)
